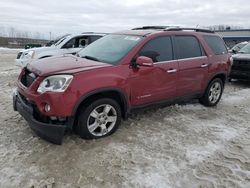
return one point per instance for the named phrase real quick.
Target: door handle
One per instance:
(171, 71)
(204, 65)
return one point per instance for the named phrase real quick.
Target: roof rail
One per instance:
(188, 29)
(151, 27)
(173, 28)
(87, 32)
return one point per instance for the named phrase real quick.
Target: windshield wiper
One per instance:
(90, 58)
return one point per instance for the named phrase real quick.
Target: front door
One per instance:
(157, 83)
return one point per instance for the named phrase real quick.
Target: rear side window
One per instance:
(187, 47)
(216, 44)
(158, 49)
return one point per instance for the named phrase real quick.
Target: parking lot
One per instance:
(186, 145)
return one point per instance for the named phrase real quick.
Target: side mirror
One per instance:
(234, 51)
(144, 61)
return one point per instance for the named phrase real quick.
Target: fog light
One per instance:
(47, 107)
(53, 118)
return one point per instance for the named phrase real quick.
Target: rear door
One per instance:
(193, 65)
(152, 84)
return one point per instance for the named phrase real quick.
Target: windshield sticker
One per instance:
(132, 38)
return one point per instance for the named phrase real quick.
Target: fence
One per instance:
(19, 42)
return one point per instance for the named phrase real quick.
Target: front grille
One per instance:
(19, 55)
(243, 65)
(28, 78)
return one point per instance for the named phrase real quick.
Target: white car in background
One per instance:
(70, 44)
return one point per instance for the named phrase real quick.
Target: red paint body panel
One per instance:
(192, 76)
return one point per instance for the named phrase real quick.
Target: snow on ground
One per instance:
(4, 49)
(185, 145)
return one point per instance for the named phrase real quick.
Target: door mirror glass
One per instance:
(144, 61)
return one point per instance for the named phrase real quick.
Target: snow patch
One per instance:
(198, 154)
(147, 179)
(223, 133)
(9, 49)
(236, 97)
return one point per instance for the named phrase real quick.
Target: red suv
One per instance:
(92, 91)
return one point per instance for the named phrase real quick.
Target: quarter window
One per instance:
(158, 49)
(187, 47)
(216, 44)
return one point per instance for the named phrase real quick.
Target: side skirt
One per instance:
(164, 103)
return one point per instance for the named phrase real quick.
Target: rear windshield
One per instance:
(216, 44)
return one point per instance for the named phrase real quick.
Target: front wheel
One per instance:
(213, 93)
(101, 118)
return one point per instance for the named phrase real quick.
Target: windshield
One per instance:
(245, 49)
(110, 49)
(60, 41)
(237, 47)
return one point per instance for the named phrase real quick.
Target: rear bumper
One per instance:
(51, 132)
(236, 74)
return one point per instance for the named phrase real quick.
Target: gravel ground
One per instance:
(184, 145)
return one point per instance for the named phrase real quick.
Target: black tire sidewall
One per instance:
(83, 115)
(205, 99)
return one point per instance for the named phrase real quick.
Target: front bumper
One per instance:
(51, 132)
(238, 74)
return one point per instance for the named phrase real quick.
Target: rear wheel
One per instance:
(213, 93)
(101, 118)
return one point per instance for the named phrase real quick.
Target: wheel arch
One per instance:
(114, 93)
(222, 76)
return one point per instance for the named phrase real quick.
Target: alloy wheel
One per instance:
(215, 92)
(102, 120)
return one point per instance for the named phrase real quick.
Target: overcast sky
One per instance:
(65, 16)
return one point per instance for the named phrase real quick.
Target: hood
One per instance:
(63, 65)
(40, 49)
(241, 57)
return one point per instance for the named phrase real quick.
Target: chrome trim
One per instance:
(171, 71)
(204, 65)
(162, 62)
(200, 57)
(174, 60)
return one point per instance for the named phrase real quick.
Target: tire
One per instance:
(94, 122)
(213, 93)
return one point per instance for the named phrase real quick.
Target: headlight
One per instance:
(58, 83)
(29, 54)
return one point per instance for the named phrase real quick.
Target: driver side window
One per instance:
(158, 49)
(82, 42)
